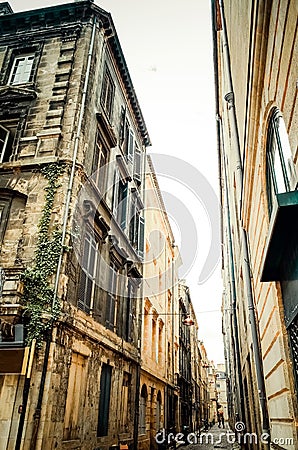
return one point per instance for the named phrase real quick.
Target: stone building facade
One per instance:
(72, 150)
(204, 384)
(221, 389)
(90, 317)
(185, 381)
(196, 373)
(256, 98)
(159, 401)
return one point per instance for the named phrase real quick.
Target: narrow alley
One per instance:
(215, 437)
(148, 288)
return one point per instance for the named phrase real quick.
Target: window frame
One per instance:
(89, 278)
(76, 391)
(125, 412)
(5, 204)
(104, 400)
(14, 71)
(277, 170)
(112, 297)
(138, 163)
(107, 92)
(4, 142)
(100, 164)
(136, 226)
(143, 410)
(128, 312)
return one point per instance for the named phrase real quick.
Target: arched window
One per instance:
(143, 404)
(280, 170)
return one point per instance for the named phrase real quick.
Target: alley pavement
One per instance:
(214, 438)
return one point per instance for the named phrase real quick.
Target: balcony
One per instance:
(280, 256)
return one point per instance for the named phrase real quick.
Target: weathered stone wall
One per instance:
(50, 133)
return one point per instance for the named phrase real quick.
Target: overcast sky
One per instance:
(168, 49)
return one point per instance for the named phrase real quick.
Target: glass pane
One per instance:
(22, 69)
(286, 149)
(278, 170)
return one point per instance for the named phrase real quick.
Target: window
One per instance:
(21, 71)
(122, 204)
(280, 170)
(143, 405)
(134, 222)
(4, 136)
(160, 342)
(107, 93)
(128, 311)
(120, 200)
(128, 141)
(125, 417)
(154, 341)
(141, 237)
(4, 210)
(138, 166)
(131, 146)
(8, 130)
(87, 279)
(104, 400)
(136, 227)
(126, 137)
(158, 411)
(75, 396)
(99, 165)
(111, 297)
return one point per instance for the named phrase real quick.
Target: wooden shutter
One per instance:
(131, 146)
(141, 237)
(104, 400)
(123, 208)
(138, 165)
(75, 395)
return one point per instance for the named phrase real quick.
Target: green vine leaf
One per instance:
(38, 294)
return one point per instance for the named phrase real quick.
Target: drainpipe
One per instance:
(25, 396)
(244, 237)
(37, 413)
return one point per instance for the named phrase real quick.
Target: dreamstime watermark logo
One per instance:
(240, 437)
(127, 204)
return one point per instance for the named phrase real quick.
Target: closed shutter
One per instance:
(131, 146)
(104, 401)
(138, 166)
(141, 237)
(87, 274)
(123, 205)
